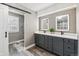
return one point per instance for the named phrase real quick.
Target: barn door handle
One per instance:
(5, 34)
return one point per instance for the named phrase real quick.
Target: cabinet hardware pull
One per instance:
(68, 47)
(5, 34)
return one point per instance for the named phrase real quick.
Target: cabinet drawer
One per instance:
(69, 46)
(67, 53)
(69, 41)
(69, 49)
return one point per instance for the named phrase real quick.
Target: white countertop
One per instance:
(65, 35)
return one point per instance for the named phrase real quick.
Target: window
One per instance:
(44, 24)
(62, 23)
(13, 23)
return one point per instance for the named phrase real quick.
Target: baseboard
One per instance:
(16, 41)
(25, 48)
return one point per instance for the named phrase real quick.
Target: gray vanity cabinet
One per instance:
(58, 45)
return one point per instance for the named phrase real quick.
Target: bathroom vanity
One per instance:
(63, 45)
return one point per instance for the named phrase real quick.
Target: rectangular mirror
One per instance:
(62, 23)
(44, 24)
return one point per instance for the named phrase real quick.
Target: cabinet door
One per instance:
(49, 43)
(36, 37)
(41, 41)
(58, 45)
(76, 47)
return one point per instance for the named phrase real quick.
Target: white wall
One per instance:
(30, 27)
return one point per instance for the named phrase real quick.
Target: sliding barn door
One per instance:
(3, 30)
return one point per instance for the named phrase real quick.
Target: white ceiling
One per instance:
(36, 6)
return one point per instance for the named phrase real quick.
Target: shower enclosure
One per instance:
(16, 33)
